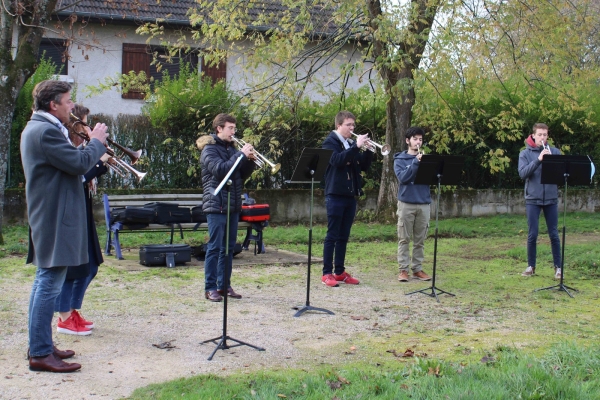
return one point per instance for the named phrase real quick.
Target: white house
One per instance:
(105, 44)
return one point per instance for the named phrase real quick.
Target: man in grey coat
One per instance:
(56, 211)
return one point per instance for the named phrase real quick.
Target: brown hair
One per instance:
(539, 125)
(74, 126)
(222, 119)
(342, 116)
(48, 91)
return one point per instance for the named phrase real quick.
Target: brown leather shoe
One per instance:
(230, 293)
(51, 363)
(62, 354)
(403, 277)
(213, 295)
(421, 276)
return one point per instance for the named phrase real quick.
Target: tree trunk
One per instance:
(15, 70)
(398, 80)
(399, 115)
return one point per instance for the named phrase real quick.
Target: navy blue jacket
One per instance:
(406, 167)
(216, 160)
(530, 170)
(342, 177)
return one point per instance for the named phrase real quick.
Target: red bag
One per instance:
(255, 213)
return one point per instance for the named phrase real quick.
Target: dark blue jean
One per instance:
(73, 290)
(533, 222)
(217, 268)
(341, 211)
(46, 287)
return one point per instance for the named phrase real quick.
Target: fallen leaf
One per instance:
(359, 317)
(165, 345)
(283, 396)
(408, 353)
(487, 359)
(334, 385)
(343, 380)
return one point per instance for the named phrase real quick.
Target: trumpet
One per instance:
(371, 145)
(547, 147)
(260, 160)
(119, 165)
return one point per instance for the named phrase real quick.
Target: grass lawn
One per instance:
(497, 339)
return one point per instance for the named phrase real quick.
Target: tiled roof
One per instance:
(176, 11)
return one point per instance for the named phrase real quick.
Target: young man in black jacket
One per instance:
(218, 157)
(343, 183)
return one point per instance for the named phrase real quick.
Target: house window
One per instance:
(138, 57)
(216, 73)
(56, 51)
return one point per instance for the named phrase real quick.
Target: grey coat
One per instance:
(531, 172)
(54, 192)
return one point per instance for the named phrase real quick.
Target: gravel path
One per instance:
(133, 315)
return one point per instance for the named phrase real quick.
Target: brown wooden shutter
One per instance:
(216, 73)
(136, 57)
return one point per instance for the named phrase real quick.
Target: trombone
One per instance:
(371, 145)
(119, 165)
(260, 160)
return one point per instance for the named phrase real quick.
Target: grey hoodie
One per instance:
(530, 170)
(406, 167)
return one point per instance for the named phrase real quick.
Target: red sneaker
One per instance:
(72, 327)
(329, 280)
(83, 321)
(346, 278)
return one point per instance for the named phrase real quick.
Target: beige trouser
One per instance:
(413, 222)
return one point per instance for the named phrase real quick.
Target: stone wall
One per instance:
(293, 206)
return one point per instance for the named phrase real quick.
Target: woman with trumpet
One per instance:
(218, 157)
(79, 277)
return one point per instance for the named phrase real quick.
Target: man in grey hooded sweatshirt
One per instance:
(414, 202)
(539, 197)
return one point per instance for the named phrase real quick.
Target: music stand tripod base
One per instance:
(303, 309)
(433, 292)
(222, 344)
(560, 287)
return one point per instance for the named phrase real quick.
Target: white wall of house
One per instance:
(99, 56)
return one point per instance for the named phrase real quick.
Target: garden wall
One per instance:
(292, 206)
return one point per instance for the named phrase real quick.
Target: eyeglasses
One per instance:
(351, 124)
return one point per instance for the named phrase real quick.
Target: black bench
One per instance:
(114, 229)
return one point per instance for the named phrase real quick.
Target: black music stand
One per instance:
(559, 170)
(438, 170)
(311, 166)
(222, 340)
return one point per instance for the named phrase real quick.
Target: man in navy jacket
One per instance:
(343, 183)
(414, 202)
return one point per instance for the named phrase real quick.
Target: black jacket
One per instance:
(216, 160)
(342, 176)
(95, 253)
